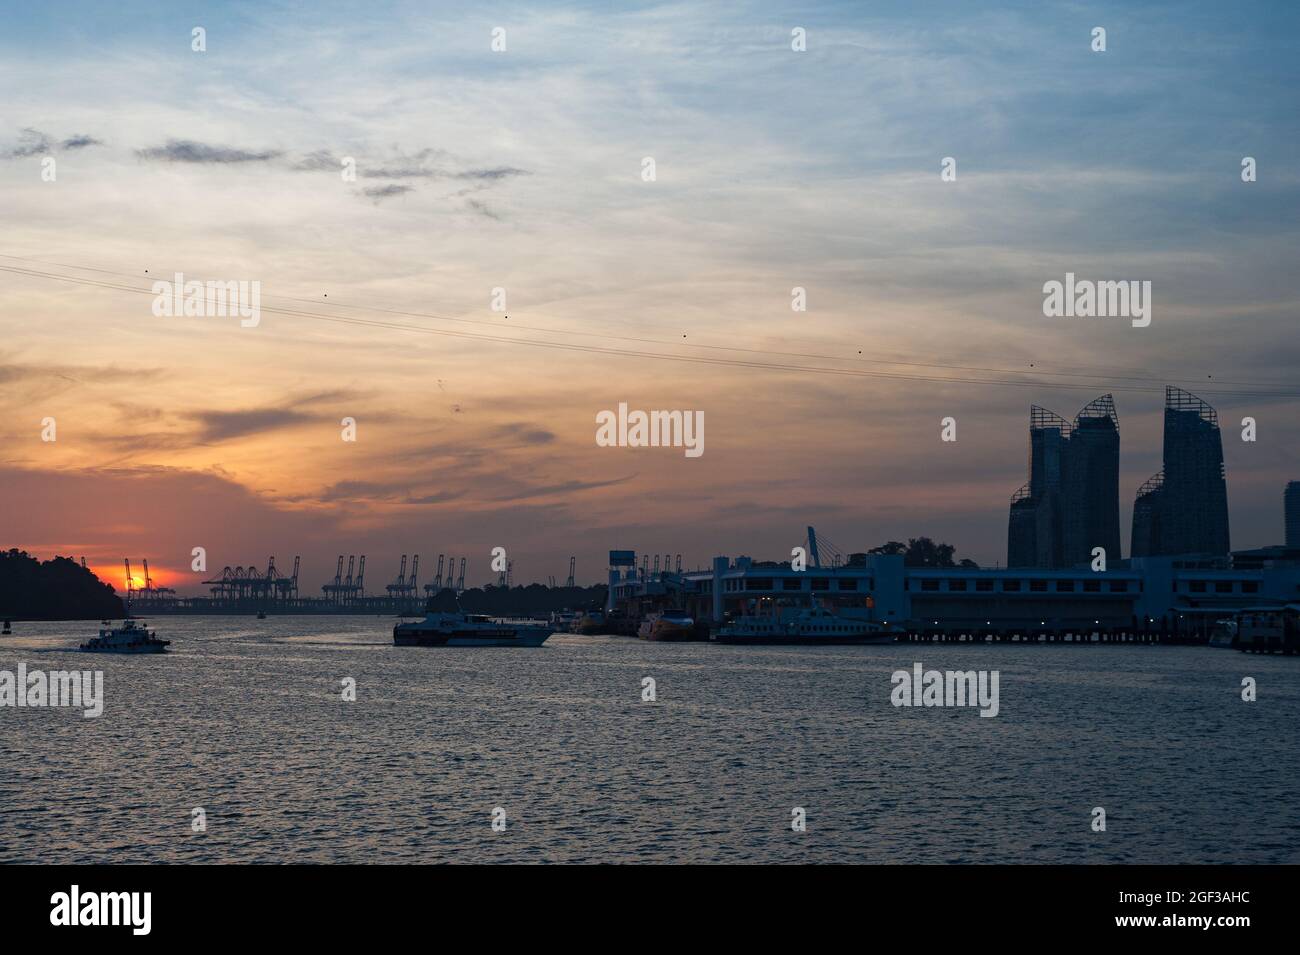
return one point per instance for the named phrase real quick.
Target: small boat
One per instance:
(446, 625)
(669, 626)
(590, 623)
(808, 625)
(261, 615)
(131, 637)
(564, 620)
(7, 630)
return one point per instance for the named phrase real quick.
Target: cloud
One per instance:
(31, 142)
(566, 487)
(215, 426)
(189, 151)
(526, 434)
(482, 208)
(80, 141)
(491, 175)
(379, 193)
(321, 159)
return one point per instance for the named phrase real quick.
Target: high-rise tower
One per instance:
(1071, 503)
(1184, 508)
(1291, 509)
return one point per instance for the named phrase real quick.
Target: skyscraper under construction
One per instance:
(1184, 508)
(1071, 504)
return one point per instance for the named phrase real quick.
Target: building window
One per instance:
(1010, 586)
(1119, 586)
(848, 585)
(1197, 586)
(983, 585)
(821, 583)
(1092, 586)
(758, 583)
(1038, 586)
(792, 583)
(1223, 586)
(956, 585)
(928, 584)
(1065, 586)
(1250, 586)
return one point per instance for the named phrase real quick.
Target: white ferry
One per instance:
(444, 627)
(131, 637)
(807, 625)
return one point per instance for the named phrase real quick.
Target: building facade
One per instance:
(1291, 511)
(1071, 503)
(1183, 510)
(1154, 592)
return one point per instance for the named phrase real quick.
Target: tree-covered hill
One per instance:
(58, 589)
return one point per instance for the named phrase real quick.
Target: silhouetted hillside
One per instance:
(58, 589)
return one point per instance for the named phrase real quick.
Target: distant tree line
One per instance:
(533, 600)
(917, 552)
(57, 589)
(922, 552)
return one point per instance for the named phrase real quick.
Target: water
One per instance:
(245, 719)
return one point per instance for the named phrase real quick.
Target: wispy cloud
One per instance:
(379, 193)
(189, 151)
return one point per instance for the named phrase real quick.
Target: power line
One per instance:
(637, 353)
(1094, 376)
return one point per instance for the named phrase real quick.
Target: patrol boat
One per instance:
(446, 625)
(131, 637)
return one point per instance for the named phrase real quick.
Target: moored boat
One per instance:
(670, 626)
(807, 625)
(590, 623)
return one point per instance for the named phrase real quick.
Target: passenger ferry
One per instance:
(1269, 629)
(131, 637)
(807, 625)
(445, 627)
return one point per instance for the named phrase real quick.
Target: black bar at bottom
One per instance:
(299, 904)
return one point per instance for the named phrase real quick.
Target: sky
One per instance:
(523, 170)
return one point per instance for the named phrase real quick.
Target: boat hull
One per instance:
(505, 637)
(159, 647)
(789, 640)
(661, 632)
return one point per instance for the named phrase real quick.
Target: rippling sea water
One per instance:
(245, 719)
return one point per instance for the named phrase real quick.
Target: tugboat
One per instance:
(261, 615)
(128, 638)
(809, 625)
(446, 625)
(670, 626)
